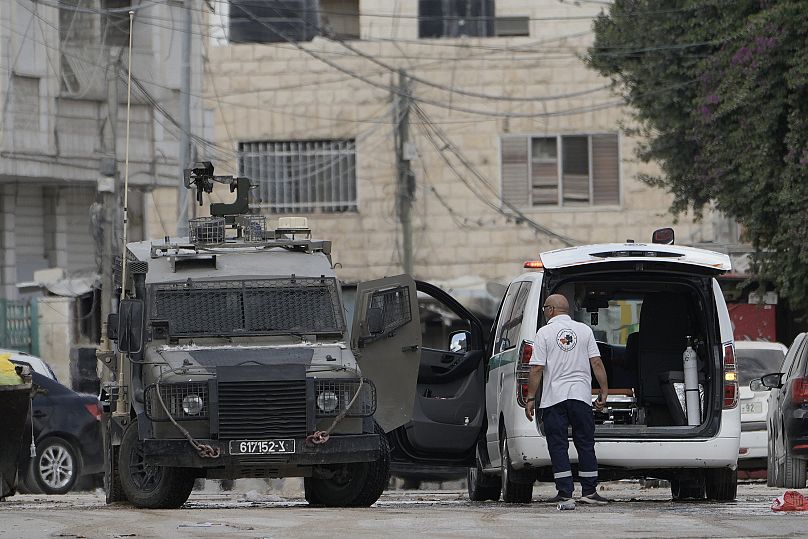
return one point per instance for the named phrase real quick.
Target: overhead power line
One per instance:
(431, 131)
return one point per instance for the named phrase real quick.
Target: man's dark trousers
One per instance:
(557, 418)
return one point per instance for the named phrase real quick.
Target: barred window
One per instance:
(455, 18)
(561, 170)
(310, 176)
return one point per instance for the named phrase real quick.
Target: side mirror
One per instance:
(772, 381)
(757, 385)
(131, 323)
(664, 236)
(459, 341)
(375, 320)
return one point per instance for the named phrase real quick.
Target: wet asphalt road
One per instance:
(252, 511)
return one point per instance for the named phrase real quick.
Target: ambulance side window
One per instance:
(513, 327)
(504, 316)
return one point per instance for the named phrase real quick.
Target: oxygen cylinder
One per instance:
(691, 368)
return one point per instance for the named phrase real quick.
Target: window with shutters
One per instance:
(561, 170)
(310, 176)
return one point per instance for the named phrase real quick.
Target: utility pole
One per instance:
(107, 189)
(405, 179)
(109, 196)
(184, 154)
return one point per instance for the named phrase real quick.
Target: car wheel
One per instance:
(688, 488)
(358, 484)
(793, 472)
(516, 487)
(721, 484)
(482, 487)
(148, 486)
(56, 466)
(770, 474)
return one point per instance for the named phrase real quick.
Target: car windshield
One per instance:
(754, 363)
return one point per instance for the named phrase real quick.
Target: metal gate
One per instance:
(18, 325)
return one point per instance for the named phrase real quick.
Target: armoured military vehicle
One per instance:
(235, 361)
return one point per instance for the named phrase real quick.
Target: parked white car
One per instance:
(642, 302)
(755, 358)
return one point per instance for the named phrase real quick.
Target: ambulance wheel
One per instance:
(516, 488)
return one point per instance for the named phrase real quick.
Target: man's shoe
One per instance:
(558, 498)
(594, 499)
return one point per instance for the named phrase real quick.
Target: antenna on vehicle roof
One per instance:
(121, 405)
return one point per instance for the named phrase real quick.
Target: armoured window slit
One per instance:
(265, 306)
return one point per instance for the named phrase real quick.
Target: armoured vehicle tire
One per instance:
(150, 487)
(56, 466)
(692, 488)
(515, 489)
(482, 487)
(362, 483)
(794, 473)
(721, 484)
(113, 492)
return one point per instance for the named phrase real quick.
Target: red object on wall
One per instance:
(752, 322)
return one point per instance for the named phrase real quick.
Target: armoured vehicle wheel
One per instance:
(151, 487)
(480, 486)
(55, 467)
(722, 484)
(112, 479)
(515, 487)
(690, 488)
(358, 484)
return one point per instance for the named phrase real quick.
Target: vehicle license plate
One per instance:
(261, 447)
(751, 407)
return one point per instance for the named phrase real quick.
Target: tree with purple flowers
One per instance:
(720, 93)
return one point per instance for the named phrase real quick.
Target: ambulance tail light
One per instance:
(523, 371)
(730, 377)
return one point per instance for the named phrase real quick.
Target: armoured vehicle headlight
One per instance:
(327, 401)
(192, 404)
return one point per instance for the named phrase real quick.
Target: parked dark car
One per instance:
(67, 431)
(787, 419)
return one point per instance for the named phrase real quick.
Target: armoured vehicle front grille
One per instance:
(262, 409)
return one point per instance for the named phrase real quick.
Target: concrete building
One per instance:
(515, 146)
(63, 91)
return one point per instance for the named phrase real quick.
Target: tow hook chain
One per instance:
(319, 437)
(208, 452)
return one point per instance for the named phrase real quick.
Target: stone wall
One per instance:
(278, 92)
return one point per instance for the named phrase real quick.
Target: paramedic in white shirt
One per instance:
(564, 356)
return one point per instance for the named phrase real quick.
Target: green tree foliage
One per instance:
(720, 90)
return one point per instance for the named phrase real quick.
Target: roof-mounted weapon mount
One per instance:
(207, 235)
(201, 176)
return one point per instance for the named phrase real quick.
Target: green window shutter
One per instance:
(515, 171)
(605, 170)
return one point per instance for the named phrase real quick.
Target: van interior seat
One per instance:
(624, 372)
(665, 323)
